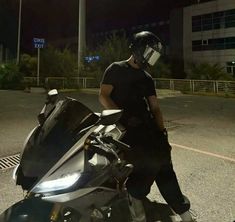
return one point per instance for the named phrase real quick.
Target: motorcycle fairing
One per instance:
(49, 142)
(85, 200)
(28, 210)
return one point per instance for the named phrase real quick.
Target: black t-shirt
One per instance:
(131, 88)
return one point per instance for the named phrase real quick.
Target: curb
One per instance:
(37, 90)
(160, 92)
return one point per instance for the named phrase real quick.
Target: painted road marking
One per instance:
(203, 152)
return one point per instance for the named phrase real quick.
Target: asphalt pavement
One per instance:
(202, 132)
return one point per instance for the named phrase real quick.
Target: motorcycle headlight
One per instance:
(64, 182)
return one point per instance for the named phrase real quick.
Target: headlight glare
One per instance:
(65, 181)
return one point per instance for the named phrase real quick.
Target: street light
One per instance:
(81, 31)
(19, 32)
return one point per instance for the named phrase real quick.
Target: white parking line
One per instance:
(203, 152)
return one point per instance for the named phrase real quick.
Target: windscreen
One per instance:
(56, 136)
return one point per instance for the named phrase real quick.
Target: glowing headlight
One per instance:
(61, 183)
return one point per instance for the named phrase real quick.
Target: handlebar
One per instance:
(100, 146)
(104, 152)
(119, 144)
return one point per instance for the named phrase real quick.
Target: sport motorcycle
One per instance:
(71, 166)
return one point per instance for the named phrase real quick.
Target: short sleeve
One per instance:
(150, 88)
(110, 75)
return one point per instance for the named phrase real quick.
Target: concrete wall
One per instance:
(176, 33)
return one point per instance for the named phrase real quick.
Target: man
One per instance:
(126, 85)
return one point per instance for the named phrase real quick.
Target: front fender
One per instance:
(28, 210)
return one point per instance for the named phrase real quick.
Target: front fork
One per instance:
(62, 214)
(55, 212)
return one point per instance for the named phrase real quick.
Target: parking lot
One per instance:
(201, 131)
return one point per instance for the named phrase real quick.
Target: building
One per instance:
(204, 32)
(4, 54)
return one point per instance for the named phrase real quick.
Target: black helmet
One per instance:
(146, 48)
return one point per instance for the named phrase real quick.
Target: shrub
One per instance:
(160, 70)
(57, 63)
(10, 77)
(206, 71)
(28, 65)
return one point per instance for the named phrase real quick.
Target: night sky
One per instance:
(57, 19)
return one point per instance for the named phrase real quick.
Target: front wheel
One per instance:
(120, 211)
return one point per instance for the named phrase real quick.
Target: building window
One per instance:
(205, 42)
(207, 22)
(214, 44)
(196, 23)
(231, 68)
(230, 18)
(230, 43)
(216, 20)
(217, 44)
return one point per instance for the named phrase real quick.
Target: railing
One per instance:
(196, 86)
(62, 82)
(183, 85)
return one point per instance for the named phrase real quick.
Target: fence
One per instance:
(196, 86)
(183, 85)
(62, 82)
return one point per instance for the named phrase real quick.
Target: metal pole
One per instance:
(81, 31)
(38, 68)
(19, 33)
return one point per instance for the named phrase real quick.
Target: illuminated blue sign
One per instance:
(90, 59)
(38, 43)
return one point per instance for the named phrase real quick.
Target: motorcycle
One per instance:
(71, 168)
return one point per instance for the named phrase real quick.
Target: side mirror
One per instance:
(111, 116)
(52, 96)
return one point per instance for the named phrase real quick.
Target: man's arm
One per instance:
(156, 112)
(104, 96)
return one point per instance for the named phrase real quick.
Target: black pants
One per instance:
(139, 185)
(151, 157)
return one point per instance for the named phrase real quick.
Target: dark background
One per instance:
(58, 19)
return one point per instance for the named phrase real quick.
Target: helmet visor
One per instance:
(151, 55)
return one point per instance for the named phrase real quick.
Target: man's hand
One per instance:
(163, 135)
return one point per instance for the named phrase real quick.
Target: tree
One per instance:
(28, 65)
(113, 48)
(177, 68)
(57, 63)
(116, 48)
(160, 70)
(10, 77)
(206, 71)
